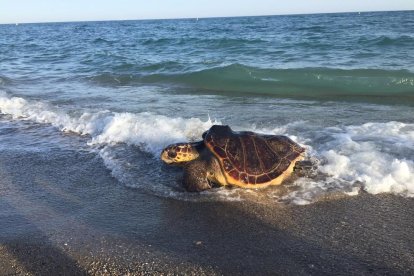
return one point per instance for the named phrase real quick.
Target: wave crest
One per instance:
(303, 82)
(383, 40)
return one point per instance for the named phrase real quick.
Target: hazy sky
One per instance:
(19, 11)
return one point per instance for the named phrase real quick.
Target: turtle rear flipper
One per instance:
(306, 168)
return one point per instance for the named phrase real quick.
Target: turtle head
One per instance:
(181, 153)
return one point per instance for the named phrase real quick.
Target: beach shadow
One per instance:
(26, 246)
(238, 242)
(30, 250)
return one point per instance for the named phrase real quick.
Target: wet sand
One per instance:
(78, 220)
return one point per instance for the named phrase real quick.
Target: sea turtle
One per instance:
(245, 159)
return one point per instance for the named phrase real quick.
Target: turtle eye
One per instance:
(172, 153)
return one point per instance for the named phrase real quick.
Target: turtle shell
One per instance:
(251, 159)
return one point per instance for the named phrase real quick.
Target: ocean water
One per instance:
(341, 85)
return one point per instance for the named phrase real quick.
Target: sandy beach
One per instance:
(61, 222)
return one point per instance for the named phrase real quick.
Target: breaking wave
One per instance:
(149, 131)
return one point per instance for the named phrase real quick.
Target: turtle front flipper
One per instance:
(195, 176)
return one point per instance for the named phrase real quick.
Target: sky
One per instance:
(24, 11)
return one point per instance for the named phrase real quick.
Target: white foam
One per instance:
(40, 112)
(375, 157)
(379, 155)
(149, 131)
(282, 130)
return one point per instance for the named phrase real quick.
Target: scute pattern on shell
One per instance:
(251, 158)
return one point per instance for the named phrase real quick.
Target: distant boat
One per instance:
(197, 19)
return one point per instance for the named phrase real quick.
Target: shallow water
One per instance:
(341, 85)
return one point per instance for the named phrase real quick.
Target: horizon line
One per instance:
(206, 17)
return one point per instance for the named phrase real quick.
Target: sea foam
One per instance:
(379, 155)
(373, 157)
(151, 132)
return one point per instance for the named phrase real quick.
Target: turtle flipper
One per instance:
(195, 176)
(306, 168)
